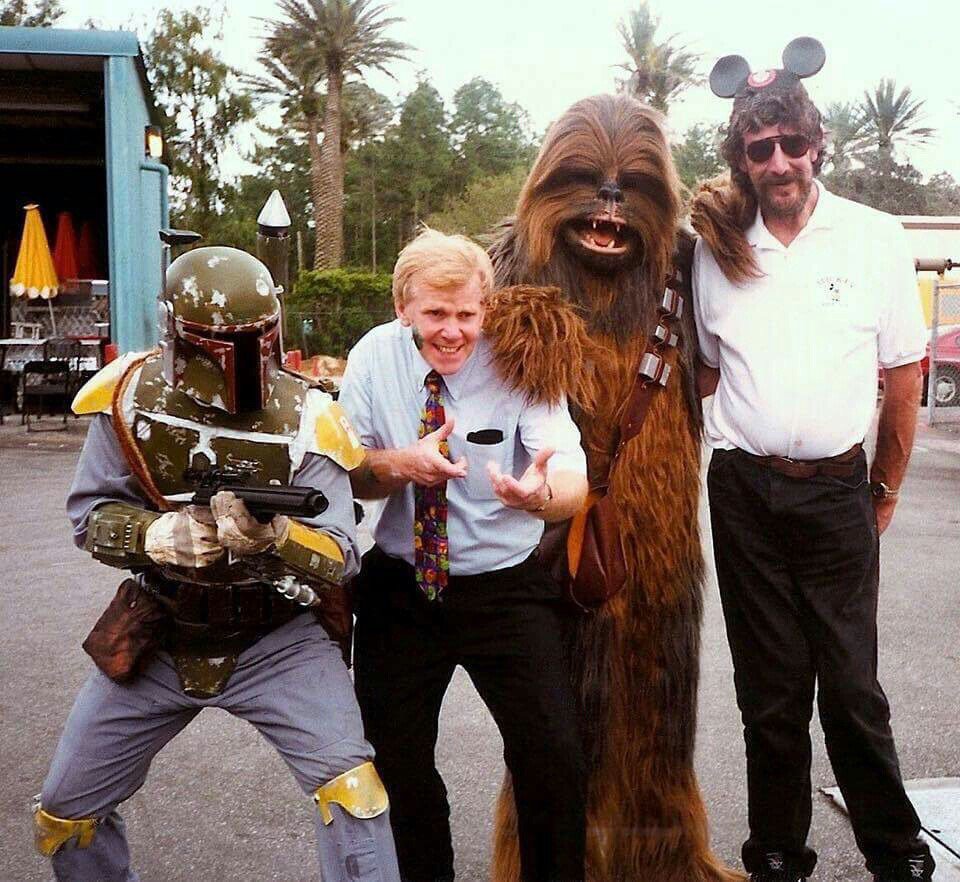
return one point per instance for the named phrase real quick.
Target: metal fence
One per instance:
(943, 374)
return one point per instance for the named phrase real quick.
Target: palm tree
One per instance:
(845, 124)
(295, 80)
(658, 72)
(326, 40)
(892, 120)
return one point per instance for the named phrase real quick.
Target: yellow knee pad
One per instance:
(359, 792)
(52, 832)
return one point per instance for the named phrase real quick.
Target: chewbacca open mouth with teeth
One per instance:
(602, 237)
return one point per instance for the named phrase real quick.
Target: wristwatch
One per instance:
(879, 490)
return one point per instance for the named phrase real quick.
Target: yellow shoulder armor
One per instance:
(336, 438)
(96, 395)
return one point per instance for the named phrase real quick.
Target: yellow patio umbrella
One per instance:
(35, 275)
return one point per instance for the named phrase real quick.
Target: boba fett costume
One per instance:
(240, 602)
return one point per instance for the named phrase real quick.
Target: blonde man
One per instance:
(469, 471)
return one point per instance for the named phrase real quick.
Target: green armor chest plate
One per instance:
(175, 433)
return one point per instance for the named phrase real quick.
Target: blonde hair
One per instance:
(441, 261)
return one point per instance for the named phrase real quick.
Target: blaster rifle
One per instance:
(263, 502)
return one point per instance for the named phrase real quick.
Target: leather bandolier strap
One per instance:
(127, 443)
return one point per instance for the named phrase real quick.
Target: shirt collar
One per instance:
(454, 384)
(822, 218)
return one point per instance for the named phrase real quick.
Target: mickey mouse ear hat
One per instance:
(731, 76)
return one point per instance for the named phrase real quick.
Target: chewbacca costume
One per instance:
(598, 218)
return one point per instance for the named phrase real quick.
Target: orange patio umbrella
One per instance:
(65, 247)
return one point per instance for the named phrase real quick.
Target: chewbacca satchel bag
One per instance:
(591, 562)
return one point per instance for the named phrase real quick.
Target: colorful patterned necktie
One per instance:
(430, 543)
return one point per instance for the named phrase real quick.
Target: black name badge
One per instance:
(485, 436)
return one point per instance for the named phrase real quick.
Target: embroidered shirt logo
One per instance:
(835, 289)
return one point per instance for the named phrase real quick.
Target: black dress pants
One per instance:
(798, 568)
(508, 630)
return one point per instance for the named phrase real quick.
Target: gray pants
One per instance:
(292, 686)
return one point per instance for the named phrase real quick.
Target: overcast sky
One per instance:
(546, 54)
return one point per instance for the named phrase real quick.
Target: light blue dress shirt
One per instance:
(383, 394)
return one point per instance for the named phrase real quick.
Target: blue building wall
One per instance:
(137, 200)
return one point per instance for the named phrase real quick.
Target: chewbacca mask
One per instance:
(597, 219)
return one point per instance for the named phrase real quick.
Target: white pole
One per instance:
(932, 363)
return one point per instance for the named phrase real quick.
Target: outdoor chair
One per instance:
(25, 330)
(48, 385)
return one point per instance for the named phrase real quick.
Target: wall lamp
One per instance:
(152, 142)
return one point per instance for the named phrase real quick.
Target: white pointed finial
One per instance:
(274, 213)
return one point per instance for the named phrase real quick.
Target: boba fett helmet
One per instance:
(220, 329)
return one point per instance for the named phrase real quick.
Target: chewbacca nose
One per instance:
(610, 192)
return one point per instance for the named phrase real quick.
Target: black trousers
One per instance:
(508, 630)
(798, 568)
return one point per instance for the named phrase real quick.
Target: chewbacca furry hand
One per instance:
(598, 219)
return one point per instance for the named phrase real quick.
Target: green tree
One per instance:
(697, 156)
(203, 100)
(883, 184)
(30, 13)
(943, 194)
(329, 310)
(491, 134)
(367, 113)
(331, 39)
(296, 86)
(293, 80)
(420, 157)
(892, 119)
(658, 72)
(845, 124)
(485, 202)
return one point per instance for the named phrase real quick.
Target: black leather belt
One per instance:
(842, 465)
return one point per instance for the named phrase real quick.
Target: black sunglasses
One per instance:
(793, 146)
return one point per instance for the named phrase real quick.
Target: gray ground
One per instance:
(219, 804)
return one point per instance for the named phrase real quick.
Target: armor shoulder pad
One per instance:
(333, 436)
(96, 395)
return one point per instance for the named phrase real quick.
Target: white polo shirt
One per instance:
(383, 394)
(798, 348)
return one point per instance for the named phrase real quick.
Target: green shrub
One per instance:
(329, 310)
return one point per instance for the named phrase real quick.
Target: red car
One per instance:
(946, 389)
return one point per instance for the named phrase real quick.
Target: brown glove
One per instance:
(240, 531)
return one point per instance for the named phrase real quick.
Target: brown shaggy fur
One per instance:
(636, 658)
(721, 212)
(528, 327)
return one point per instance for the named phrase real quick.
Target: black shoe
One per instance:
(776, 868)
(914, 868)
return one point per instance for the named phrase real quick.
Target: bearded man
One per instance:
(799, 295)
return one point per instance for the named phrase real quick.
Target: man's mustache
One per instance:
(778, 180)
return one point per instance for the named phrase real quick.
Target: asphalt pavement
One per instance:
(220, 805)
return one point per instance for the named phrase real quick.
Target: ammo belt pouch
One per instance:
(843, 465)
(204, 611)
(212, 624)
